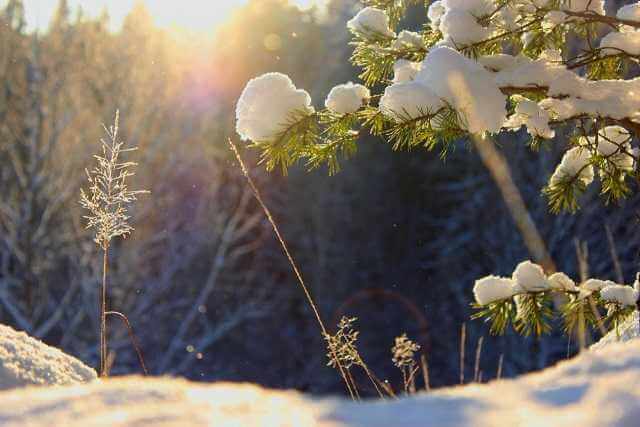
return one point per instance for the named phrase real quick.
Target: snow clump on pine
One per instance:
(466, 86)
(620, 294)
(267, 105)
(370, 22)
(574, 165)
(409, 100)
(492, 288)
(347, 98)
(529, 277)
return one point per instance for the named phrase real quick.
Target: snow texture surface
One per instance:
(26, 361)
(405, 71)
(466, 86)
(596, 388)
(405, 101)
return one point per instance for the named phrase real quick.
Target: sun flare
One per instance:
(191, 15)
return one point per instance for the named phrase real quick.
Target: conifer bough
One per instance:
(477, 67)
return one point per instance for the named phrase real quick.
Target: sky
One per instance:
(195, 15)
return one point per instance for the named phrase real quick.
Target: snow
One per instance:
(630, 12)
(574, 163)
(405, 71)
(553, 19)
(626, 41)
(466, 86)
(595, 388)
(347, 98)
(595, 284)
(506, 19)
(628, 330)
(614, 143)
(530, 277)
(497, 62)
(531, 115)
(267, 105)
(492, 288)
(403, 101)
(562, 282)
(369, 22)
(462, 28)
(27, 361)
(616, 99)
(624, 295)
(477, 8)
(408, 39)
(434, 13)
(596, 6)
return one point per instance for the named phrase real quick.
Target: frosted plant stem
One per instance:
(476, 370)
(463, 334)
(425, 372)
(132, 336)
(294, 266)
(103, 316)
(500, 362)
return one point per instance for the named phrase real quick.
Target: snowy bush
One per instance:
(478, 67)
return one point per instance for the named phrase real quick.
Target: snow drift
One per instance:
(597, 388)
(27, 361)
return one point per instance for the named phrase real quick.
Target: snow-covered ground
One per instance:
(27, 361)
(597, 388)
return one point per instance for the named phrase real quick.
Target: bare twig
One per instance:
(134, 340)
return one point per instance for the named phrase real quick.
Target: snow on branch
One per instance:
(525, 300)
(476, 67)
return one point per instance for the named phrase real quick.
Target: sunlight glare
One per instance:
(189, 15)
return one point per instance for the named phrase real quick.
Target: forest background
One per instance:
(396, 238)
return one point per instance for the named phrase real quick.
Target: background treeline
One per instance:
(395, 239)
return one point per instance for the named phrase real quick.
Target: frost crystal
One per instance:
(403, 352)
(530, 277)
(624, 295)
(347, 98)
(267, 105)
(404, 101)
(574, 164)
(466, 86)
(492, 288)
(371, 22)
(405, 71)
